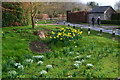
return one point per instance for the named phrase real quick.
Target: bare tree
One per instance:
(117, 6)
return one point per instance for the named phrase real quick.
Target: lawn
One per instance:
(91, 56)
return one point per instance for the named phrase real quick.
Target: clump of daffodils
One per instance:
(65, 34)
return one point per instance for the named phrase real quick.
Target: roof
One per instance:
(100, 9)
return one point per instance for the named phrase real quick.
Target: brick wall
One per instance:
(80, 16)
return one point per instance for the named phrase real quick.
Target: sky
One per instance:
(103, 2)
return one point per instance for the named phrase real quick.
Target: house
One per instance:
(104, 12)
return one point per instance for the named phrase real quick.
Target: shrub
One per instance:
(117, 22)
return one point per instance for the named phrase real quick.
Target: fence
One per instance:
(76, 17)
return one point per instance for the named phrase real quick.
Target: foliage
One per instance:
(117, 22)
(92, 4)
(13, 14)
(115, 16)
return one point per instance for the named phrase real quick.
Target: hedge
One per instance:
(117, 22)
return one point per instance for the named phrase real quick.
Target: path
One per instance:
(117, 31)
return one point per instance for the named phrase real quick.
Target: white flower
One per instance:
(82, 60)
(29, 60)
(88, 56)
(49, 66)
(38, 56)
(77, 53)
(76, 65)
(12, 72)
(17, 64)
(39, 62)
(77, 57)
(43, 72)
(21, 67)
(78, 62)
(75, 46)
(70, 76)
(89, 65)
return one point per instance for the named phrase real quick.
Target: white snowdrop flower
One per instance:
(89, 65)
(39, 62)
(78, 62)
(82, 60)
(29, 60)
(88, 56)
(17, 64)
(38, 56)
(76, 65)
(49, 66)
(12, 72)
(21, 67)
(70, 76)
(75, 46)
(77, 57)
(43, 72)
(77, 53)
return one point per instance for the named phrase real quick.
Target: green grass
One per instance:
(46, 21)
(103, 50)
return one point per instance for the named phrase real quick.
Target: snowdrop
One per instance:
(12, 72)
(20, 67)
(89, 65)
(78, 62)
(76, 65)
(88, 56)
(17, 64)
(82, 60)
(70, 76)
(38, 56)
(29, 60)
(43, 72)
(40, 62)
(49, 66)
(75, 46)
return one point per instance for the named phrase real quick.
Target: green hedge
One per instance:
(117, 22)
(115, 16)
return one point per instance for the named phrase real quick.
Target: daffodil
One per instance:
(53, 32)
(60, 38)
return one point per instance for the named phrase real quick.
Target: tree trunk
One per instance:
(33, 24)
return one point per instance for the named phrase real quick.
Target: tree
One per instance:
(117, 6)
(92, 4)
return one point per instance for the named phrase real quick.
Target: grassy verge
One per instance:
(99, 51)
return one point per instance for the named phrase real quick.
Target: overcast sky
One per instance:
(103, 2)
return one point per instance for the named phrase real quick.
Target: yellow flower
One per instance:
(59, 33)
(60, 38)
(54, 37)
(62, 28)
(53, 32)
(50, 37)
(80, 32)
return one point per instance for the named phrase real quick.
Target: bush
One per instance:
(117, 22)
